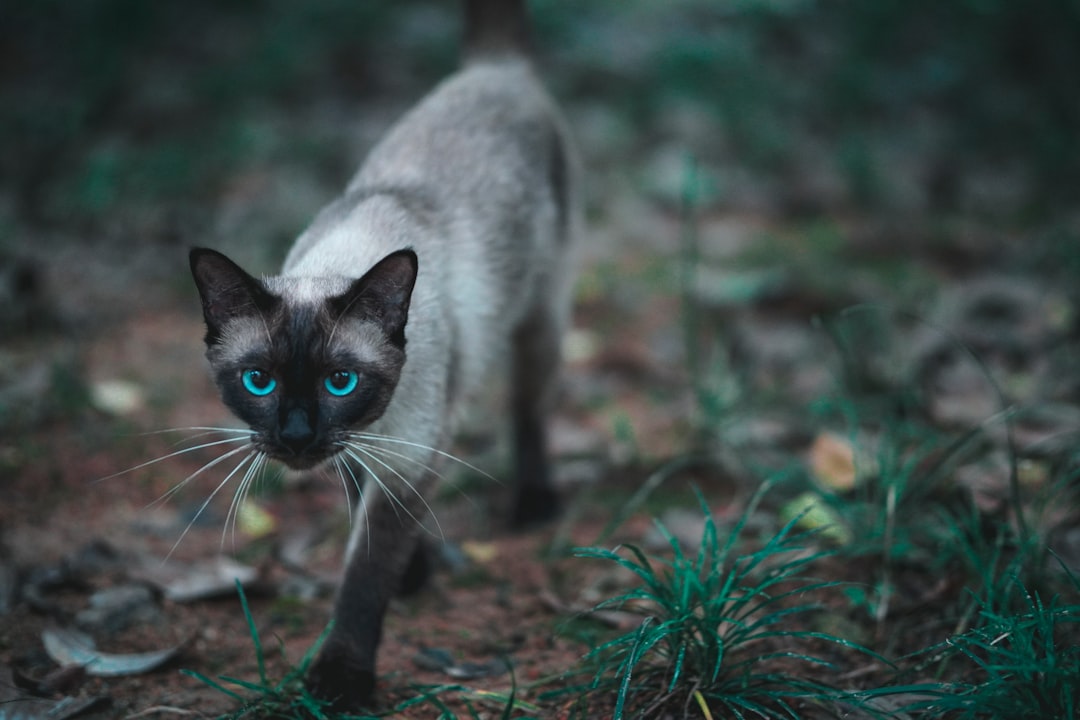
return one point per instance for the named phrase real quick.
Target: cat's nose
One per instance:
(297, 434)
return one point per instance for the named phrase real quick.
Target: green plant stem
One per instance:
(690, 257)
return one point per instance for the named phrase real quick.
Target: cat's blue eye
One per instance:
(341, 382)
(258, 382)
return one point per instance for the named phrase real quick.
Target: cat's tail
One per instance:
(495, 28)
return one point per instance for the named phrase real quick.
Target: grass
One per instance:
(904, 526)
(1019, 665)
(287, 698)
(720, 628)
(87, 141)
(1024, 666)
(284, 699)
(723, 628)
(733, 628)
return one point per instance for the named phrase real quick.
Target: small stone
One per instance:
(114, 610)
(117, 397)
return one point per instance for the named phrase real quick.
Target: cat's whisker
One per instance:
(202, 446)
(200, 431)
(233, 512)
(363, 507)
(399, 455)
(372, 438)
(205, 432)
(201, 428)
(352, 449)
(178, 486)
(344, 486)
(360, 492)
(241, 496)
(253, 476)
(394, 502)
(420, 446)
(408, 458)
(198, 513)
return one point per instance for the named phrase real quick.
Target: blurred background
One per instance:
(753, 166)
(743, 157)
(844, 151)
(802, 215)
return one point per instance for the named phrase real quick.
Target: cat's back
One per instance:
(488, 128)
(479, 157)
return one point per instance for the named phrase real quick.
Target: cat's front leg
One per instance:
(381, 551)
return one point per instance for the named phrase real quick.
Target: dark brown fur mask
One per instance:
(305, 360)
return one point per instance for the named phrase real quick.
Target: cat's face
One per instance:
(304, 362)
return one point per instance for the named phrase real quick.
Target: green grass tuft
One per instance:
(286, 699)
(289, 699)
(1020, 665)
(720, 627)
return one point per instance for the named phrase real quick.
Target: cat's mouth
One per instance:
(302, 461)
(307, 462)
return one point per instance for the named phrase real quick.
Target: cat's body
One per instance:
(446, 260)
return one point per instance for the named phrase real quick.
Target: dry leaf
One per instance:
(117, 397)
(816, 515)
(70, 647)
(202, 580)
(254, 521)
(832, 461)
(480, 552)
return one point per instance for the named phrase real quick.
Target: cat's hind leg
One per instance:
(535, 365)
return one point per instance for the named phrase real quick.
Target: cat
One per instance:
(447, 258)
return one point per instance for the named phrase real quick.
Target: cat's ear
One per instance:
(383, 294)
(227, 291)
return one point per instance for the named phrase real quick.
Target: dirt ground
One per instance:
(724, 327)
(76, 524)
(69, 534)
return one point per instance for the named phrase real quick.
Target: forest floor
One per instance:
(889, 364)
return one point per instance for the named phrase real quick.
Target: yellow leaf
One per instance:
(832, 461)
(254, 521)
(816, 515)
(479, 552)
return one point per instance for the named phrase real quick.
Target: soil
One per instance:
(707, 375)
(80, 516)
(72, 527)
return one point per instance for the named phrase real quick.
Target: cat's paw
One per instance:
(534, 506)
(336, 680)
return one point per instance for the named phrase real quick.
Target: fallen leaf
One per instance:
(480, 552)
(255, 521)
(1033, 474)
(199, 580)
(19, 706)
(114, 609)
(832, 461)
(442, 661)
(117, 397)
(580, 346)
(71, 647)
(816, 515)
(65, 679)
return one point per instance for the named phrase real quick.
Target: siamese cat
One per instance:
(446, 260)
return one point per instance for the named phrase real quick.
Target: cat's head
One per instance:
(305, 360)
